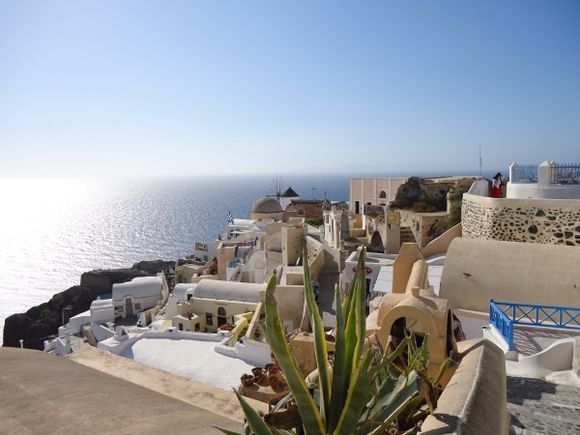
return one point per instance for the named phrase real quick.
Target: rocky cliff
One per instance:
(43, 321)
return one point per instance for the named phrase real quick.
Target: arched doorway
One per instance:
(222, 318)
(376, 243)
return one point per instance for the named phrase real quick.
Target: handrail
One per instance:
(503, 315)
(502, 323)
(553, 316)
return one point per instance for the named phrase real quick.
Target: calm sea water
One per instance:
(53, 230)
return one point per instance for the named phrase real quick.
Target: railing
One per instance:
(525, 174)
(503, 315)
(566, 173)
(502, 323)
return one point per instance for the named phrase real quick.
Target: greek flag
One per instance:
(230, 217)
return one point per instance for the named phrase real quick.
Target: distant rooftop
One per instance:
(290, 193)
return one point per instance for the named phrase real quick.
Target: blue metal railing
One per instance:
(503, 315)
(502, 323)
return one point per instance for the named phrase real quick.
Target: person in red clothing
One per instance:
(496, 186)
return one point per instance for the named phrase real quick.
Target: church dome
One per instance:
(266, 205)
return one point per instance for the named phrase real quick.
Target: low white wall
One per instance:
(251, 351)
(534, 190)
(75, 324)
(117, 345)
(101, 332)
(472, 322)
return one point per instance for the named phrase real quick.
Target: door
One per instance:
(128, 307)
(222, 319)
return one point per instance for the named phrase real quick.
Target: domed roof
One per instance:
(266, 205)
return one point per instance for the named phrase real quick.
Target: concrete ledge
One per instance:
(474, 400)
(220, 402)
(42, 393)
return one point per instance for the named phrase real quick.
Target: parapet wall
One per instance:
(548, 221)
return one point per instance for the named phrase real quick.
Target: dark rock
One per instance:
(102, 280)
(153, 267)
(540, 213)
(533, 229)
(41, 322)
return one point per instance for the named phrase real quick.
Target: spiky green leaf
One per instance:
(320, 347)
(258, 425)
(357, 397)
(340, 377)
(309, 412)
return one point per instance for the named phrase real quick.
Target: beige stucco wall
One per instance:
(290, 299)
(201, 307)
(441, 243)
(367, 190)
(425, 226)
(550, 221)
(477, 270)
(403, 265)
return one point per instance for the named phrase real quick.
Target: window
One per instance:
(383, 194)
(357, 207)
(209, 319)
(197, 326)
(180, 326)
(221, 311)
(189, 297)
(137, 306)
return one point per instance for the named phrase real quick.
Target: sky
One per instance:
(183, 88)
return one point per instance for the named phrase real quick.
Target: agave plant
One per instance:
(363, 390)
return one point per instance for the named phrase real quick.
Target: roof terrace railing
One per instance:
(566, 173)
(503, 315)
(545, 173)
(524, 174)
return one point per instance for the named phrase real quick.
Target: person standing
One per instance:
(496, 186)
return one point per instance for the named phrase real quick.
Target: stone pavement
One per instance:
(537, 406)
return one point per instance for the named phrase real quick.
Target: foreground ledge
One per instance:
(474, 400)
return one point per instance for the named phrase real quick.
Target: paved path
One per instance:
(326, 301)
(537, 406)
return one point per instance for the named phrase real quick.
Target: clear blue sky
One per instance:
(196, 87)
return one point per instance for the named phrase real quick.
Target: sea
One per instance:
(54, 229)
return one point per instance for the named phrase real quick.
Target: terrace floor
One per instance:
(192, 359)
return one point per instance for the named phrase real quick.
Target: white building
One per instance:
(102, 311)
(336, 226)
(373, 263)
(139, 294)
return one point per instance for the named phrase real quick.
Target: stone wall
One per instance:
(549, 221)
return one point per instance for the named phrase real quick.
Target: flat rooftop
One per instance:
(192, 359)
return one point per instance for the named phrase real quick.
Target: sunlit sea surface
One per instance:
(53, 230)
